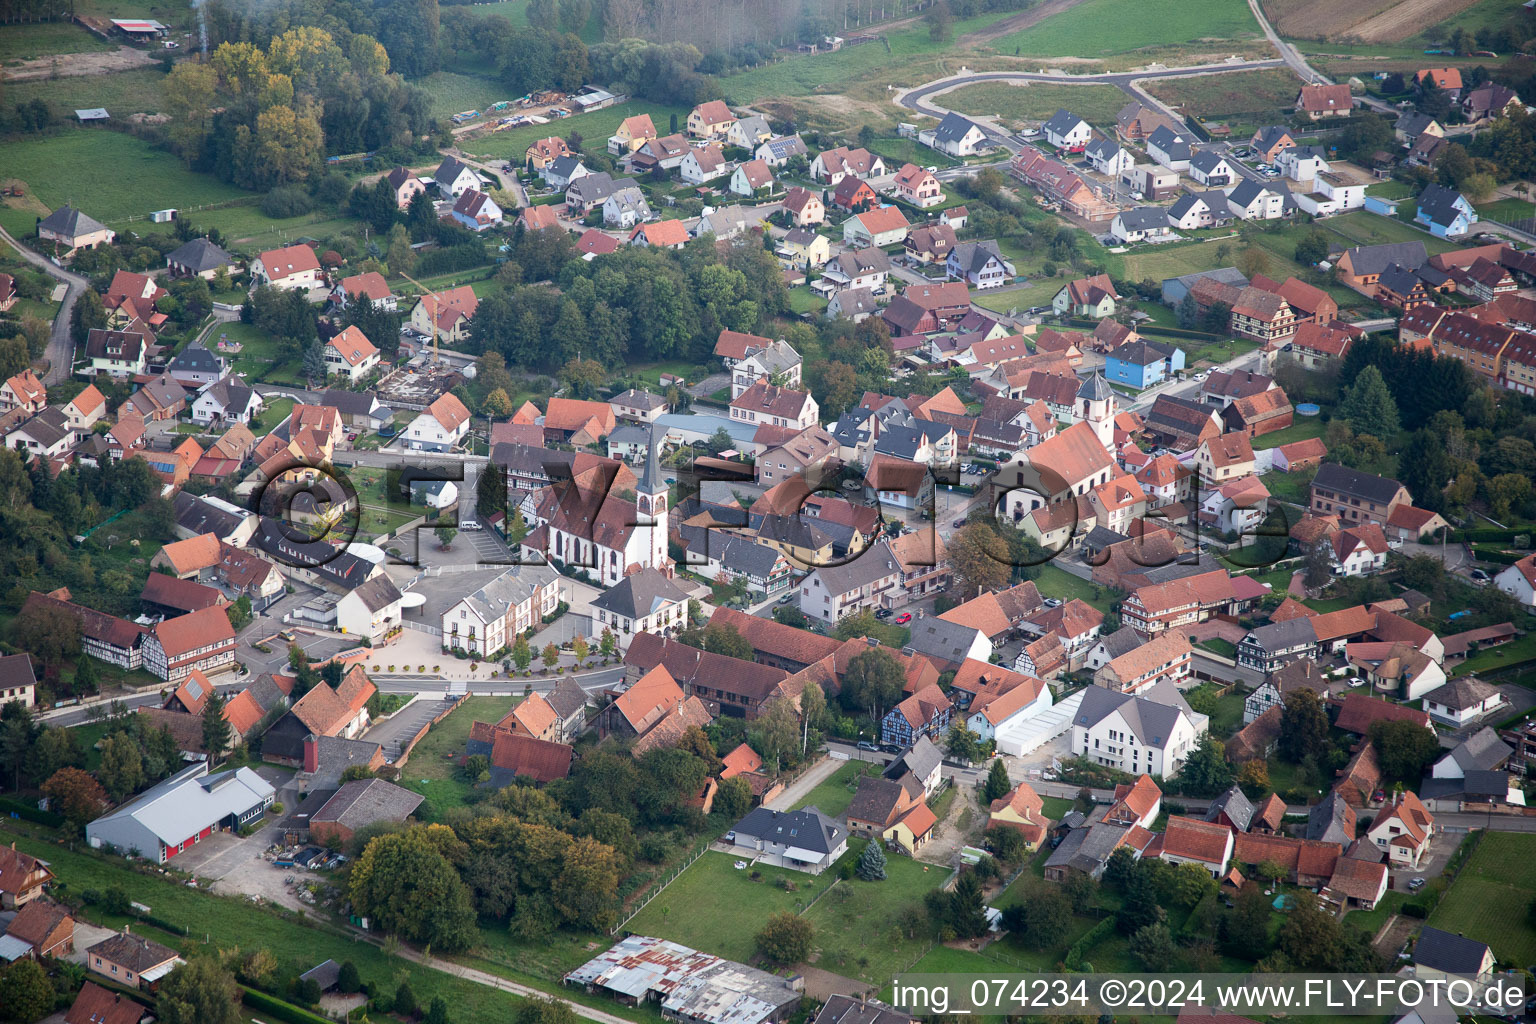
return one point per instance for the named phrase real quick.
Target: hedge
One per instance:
(1073, 961)
(1489, 533)
(28, 812)
(163, 924)
(280, 1009)
(1499, 557)
(468, 256)
(1180, 332)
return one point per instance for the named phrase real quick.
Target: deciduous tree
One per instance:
(199, 991)
(785, 939)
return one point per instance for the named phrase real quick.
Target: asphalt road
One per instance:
(61, 348)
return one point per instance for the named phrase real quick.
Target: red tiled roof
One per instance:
(1195, 840)
(740, 761)
(1358, 712)
(187, 633)
(540, 760)
(96, 1005)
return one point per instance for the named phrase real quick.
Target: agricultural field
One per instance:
(122, 93)
(1370, 22)
(713, 881)
(1488, 899)
(1249, 97)
(452, 92)
(594, 129)
(1098, 104)
(110, 175)
(1102, 28)
(28, 42)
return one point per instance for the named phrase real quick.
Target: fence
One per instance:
(226, 204)
(408, 745)
(657, 888)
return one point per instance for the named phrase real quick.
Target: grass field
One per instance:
(1099, 28)
(297, 946)
(258, 358)
(1507, 210)
(452, 92)
(110, 175)
(127, 92)
(1161, 262)
(856, 921)
(432, 770)
(515, 11)
(1301, 428)
(1057, 582)
(1097, 104)
(1036, 293)
(1488, 899)
(910, 151)
(711, 881)
(1492, 658)
(1247, 97)
(25, 42)
(812, 73)
(594, 129)
(835, 792)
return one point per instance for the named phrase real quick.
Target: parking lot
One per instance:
(395, 731)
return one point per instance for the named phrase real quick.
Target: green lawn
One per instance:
(432, 769)
(259, 357)
(1214, 352)
(1037, 292)
(856, 922)
(110, 175)
(741, 905)
(803, 300)
(126, 92)
(1054, 581)
(1491, 658)
(808, 74)
(296, 945)
(1507, 211)
(1100, 28)
(27, 42)
(594, 129)
(1292, 487)
(1301, 428)
(1248, 97)
(1161, 262)
(909, 151)
(833, 795)
(1037, 101)
(1488, 899)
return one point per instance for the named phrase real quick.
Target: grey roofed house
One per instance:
(903, 441)
(727, 222)
(1121, 641)
(1397, 279)
(874, 563)
(840, 1009)
(198, 516)
(1453, 954)
(1482, 751)
(131, 951)
(1284, 636)
(377, 593)
(1271, 134)
(1151, 715)
(754, 126)
(339, 568)
(1235, 805)
(1439, 204)
(1170, 142)
(1206, 160)
(1062, 122)
(1102, 149)
(852, 302)
(196, 359)
(567, 698)
(563, 167)
(1175, 288)
(198, 255)
(876, 798)
(851, 429)
(47, 428)
(1184, 204)
(1352, 483)
(805, 829)
(634, 398)
(971, 257)
(782, 147)
(1142, 352)
(1365, 260)
(267, 693)
(629, 433)
(639, 595)
(449, 170)
(800, 236)
(1246, 192)
(365, 801)
(335, 755)
(793, 531)
(67, 220)
(862, 261)
(1088, 849)
(953, 128)
(939, 638)
(16, 671)
(1332, 820)
(1143, 218)
(507, 589)
(325, 974)
(354, 403)
(741, 555)
(595, 187)
(1101, 537)
(233, 397)
(1461, 693)
(1473, 787)
(921, 758)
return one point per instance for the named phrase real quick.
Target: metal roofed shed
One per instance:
(92, 114)
(692, 987)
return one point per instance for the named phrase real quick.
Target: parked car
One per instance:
(469, 524)
(1481, 575)
(903, 618)
(1053, 602)
(1415, 884)
(882, 613)
(871, 747)
(1356, 681)
(786, 598)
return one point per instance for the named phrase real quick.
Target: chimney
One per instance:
(311, 754)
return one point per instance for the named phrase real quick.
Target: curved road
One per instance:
(61, 349)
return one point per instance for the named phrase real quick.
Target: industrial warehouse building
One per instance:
(692, 987)
(181, 811)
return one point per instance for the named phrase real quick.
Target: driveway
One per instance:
(395, 731)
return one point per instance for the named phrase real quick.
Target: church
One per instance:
(583, 524)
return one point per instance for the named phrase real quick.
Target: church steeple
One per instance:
(651, 500)
(1096, 406)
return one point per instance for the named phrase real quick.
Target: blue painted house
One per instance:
(1142, 363)
(1445, 212)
